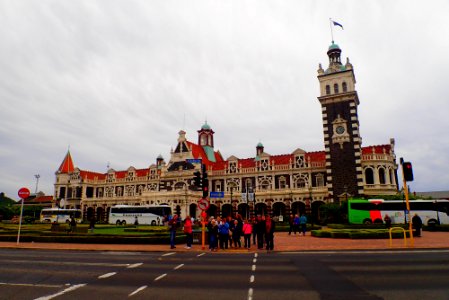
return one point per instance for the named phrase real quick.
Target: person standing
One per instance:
(417, 224)
(290, 222)
(387, 221)
(188, 231)
(260, 231)
(303, 224)
(213, 235)
(247, 230)
(172, 226)
(72, 224)
(236, 234)
(269, 233)
(223, 233)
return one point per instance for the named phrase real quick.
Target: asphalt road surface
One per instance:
(367, 275)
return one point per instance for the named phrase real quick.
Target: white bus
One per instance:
(362, 211)
(145, 214)
(60, 215)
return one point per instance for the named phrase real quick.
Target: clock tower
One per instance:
(342, 141)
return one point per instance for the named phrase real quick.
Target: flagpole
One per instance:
(332, 32)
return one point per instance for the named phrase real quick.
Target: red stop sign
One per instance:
(24, 193)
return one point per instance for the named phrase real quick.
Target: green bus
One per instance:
(363, 211)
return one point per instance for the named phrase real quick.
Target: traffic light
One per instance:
(197, 179)
(205, 185)
(408, 171)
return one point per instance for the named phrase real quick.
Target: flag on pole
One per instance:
(337, 24)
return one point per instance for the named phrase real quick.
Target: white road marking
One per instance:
(69, 289)
(66, 263)
(107, 275)
(138, 290)
(251, 279)
(201, 254)
(254, 260)
(253, 268)
(255, 254)
(32, 284)
(169, 253)
(250, 294)
(135, 265)
(160, 277)
(177, 267)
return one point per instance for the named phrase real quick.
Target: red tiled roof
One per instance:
(43, 199)
(316, 156)
(378, 149)
(92, 175)
(67, 164)
(198, 152)
(284, 159)
(142, 172)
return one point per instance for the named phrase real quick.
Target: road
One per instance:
(371, 275)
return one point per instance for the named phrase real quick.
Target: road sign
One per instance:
(24, 193)
(203, 204)
(194, 160)
(216, 194)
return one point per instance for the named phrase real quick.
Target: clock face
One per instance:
(340, 129)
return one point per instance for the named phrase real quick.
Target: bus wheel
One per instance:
(123, 222)
(118, 223)
(153, 223)
(367, 222)
(67, 221)
(378, 221)
(432, 222)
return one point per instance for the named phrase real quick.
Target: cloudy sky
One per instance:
(114, 81)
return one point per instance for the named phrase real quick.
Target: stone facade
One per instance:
(298, 182)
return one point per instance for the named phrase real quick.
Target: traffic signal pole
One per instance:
(407, 203)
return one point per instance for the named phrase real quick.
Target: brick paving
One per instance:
(282, 242)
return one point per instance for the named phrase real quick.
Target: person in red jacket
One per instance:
(188, 231)
(247, 230)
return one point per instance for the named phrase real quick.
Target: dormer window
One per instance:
(336, 88)
(328, 90)
(130, 176)
(345, 87)
(299, 161)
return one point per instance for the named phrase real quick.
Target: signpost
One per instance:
(216, 194)
(23, 194)
(203, 204)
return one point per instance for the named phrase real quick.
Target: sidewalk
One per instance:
(282, 242)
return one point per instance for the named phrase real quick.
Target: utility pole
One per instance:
(37, 176)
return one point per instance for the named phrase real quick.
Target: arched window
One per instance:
(265, 185)
(282, 182)
(345, 87)
(328, 90)
(301, 183)
(336, 88)
(319, 180)
(369, 176)
(381, 175)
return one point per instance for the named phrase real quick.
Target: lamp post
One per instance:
(232, 201)
(37, 176)
(310, 204)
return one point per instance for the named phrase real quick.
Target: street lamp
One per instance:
(37, 176)
(310, 204)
